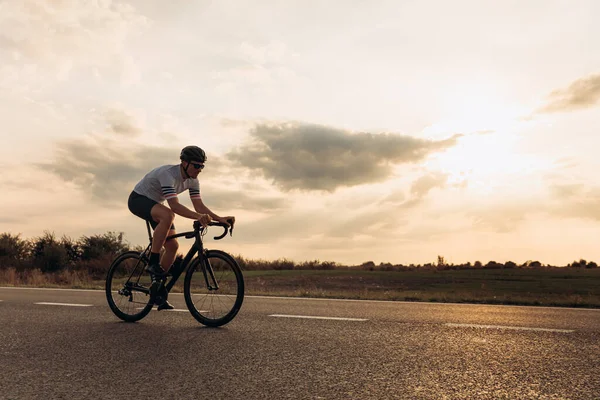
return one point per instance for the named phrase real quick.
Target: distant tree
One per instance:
(574, 264)
(477, 264)
(386, 266)
(510, 264)
(493, 265)
(591, 264)
(441, 262)
(531, 264)
(369, 265)
(535, 264)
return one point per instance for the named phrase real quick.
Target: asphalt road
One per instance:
(274, 349)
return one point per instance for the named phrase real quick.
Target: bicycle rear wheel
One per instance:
(128, 287)
(214, 299)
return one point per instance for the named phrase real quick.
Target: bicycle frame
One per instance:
(197, 248)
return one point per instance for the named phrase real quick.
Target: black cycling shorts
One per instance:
(141, 206)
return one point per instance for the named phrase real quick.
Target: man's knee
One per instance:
(169, 216)
(163, 214)
(172, 245)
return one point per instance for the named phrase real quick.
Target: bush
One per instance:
(12, 246)
(13, 250)
(95, 268)
(99, 246)
(315, 265)
(282, 264)
(72, 248)
(48, 254)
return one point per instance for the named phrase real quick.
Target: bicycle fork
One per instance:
(209, 275)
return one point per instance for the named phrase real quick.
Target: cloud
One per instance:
(11, 220)
(274, 52)
(122, 122)
(504, 217)
(256, 66)
(107, 166)
(424, 184)
(316, 157)
(566, 191)
(396, 198)
(418, 191)
(44, 41)
(218, 199)
(355, 218)
(583, 93)
(571, 200)
(383, 217)
(575, 200)
(104, 168)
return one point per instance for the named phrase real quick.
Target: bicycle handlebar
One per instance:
(198, 226)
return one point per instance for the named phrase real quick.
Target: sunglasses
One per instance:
(197, 166)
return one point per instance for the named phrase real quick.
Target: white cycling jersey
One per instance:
(165, 183)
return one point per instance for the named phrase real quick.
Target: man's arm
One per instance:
(182, 210)
(200, 207)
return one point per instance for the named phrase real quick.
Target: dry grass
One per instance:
(36, 278)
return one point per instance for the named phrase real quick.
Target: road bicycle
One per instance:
(213, 287)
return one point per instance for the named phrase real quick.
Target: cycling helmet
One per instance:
(192, 153)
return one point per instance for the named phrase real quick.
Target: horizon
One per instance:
(380, 131)
(440, 260)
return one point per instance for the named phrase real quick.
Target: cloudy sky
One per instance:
(348, 131)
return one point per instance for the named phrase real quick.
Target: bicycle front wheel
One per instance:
(128, 287)
(214, 288)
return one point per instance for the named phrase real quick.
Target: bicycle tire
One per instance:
(128, 286)
(230, 279)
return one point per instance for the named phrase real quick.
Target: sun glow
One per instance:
(488, 154)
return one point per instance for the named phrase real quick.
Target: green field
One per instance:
(571, 287)
(545, 286)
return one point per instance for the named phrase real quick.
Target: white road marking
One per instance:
(516, 328)
(44, 303)
(314, 317)
(175, 309)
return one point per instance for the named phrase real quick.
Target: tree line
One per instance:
(94, 253)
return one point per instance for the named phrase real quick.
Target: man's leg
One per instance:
(168, 257)
(164, 217)
(171, 247)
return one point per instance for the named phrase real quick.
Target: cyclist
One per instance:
(165, 183)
